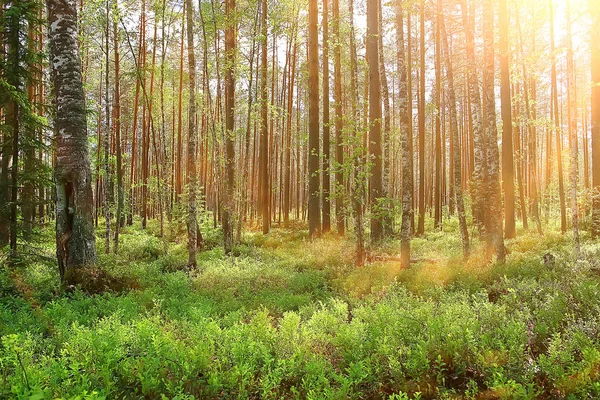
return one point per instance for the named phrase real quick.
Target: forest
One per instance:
(307, 199)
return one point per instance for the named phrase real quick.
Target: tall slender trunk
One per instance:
(508, 169)
(385, 160)
(454, 132)
(117, 117)
(314, 212)
(478, 132)
(595, 102)
(438, 115)
(230, 58)
(326, 126)
(421, 225)
(106, 143)
(375, 150)
(572, 108)
(405, 131)
(288, 135)
(557, 128)
(494, 227)
(264, 132)
(339, 121)
(191, 180)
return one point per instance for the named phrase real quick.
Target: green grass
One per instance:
(290, 318)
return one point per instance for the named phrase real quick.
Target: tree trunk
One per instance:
(508, 169)
(421, 223)
(478, 189)
(117, 115)
(75, 240)
(375, 153)
(557, 128)
(405, 131)
(191, 180)
(595, 101)
(438, 115)
(572, 105)
(264, 127)
(106, 143)
(230, 59)
(314, 212)
(494, 229)
(457, 177)
(339, 122)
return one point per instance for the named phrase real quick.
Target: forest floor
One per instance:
(285, 317)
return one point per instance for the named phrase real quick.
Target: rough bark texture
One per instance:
(75, 240)
(192, 223)
(405, 131)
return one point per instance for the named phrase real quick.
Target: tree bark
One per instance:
(326, 127)
(495, 238)
(339, 122)
(572, 106)
(595, 101)
(191, 180)
(230, 59)
(75, 240)
(508, 169)
(314, 212)
(457, 160)
(421, 115)
(405, 131)
(375, 150)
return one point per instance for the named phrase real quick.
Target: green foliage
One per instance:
(283, 319)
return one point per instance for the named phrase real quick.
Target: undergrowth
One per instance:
(286, 317)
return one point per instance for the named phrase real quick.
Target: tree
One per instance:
(339, 120)
(494, 236)
(118, 151)
(479, 147)
(264, 133)
(75, 239)
(595, 102)
(314, 212)
(437, 200)
(508, 169)
(457, 178)
(326, 126)
(421, 115)
(230, 49)
(375, 150)
(106, 138)
(405, 131)
(572, 112)
(191, 181)
(557, 127)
